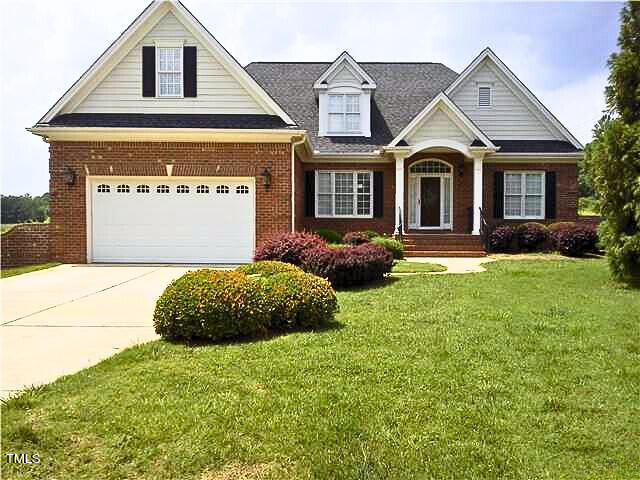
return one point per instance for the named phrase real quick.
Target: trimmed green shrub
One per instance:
(532, 236)
(349, 266)
(356, 238)
(371, 234)
(288, 247)
(299, 300)
(212, 305)
(329, 235)
(392, 245)
(267, 267)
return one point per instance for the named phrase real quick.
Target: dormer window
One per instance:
(485, 96)
(345, 93)
(344, 113)
(169, 71)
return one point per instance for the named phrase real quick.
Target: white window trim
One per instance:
(344, 114)
(179, 46)
(523, 194)
(354, 174)
(490, 87)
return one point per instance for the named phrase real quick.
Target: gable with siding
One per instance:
(121, 90)
(439, 125)
(511, 116)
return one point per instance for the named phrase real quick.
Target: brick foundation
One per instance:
(68, 202)
(26, 244)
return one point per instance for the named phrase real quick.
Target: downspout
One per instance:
(294, 144)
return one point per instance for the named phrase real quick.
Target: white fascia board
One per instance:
(110, 57)
(357, 69)
(572, 157)
(459, 118)
(487, 53)
(229, 135)
(133, 34)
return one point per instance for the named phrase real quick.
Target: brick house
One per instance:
(167, 150)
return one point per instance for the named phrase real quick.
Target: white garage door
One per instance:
(172, 220)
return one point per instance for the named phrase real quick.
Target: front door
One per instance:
(430, 201)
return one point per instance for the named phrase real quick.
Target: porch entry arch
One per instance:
(431, 194)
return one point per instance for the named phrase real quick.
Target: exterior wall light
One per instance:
(69, 176)
(266, 178)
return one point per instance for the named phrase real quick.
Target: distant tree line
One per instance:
(24, 208)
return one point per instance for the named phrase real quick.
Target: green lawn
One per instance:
(530, 370)
(12, 271)
(5, 227)
(403, 266)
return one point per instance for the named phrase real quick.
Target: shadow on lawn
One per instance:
(264, 337)
(385, 282)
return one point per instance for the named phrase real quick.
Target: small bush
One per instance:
(267, 267)
(532, 236)
(349, 266)
(212, 305)
(299, 300)
(574, 239)
(330, 236)
(288, 247)
(372, 234)
(356, 238)
(392, 245)
(501, 239)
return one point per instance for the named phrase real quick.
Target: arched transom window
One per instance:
(430, 166)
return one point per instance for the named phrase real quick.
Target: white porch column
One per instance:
(478, 158)
(399, 207)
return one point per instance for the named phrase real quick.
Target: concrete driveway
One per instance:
(60, 320)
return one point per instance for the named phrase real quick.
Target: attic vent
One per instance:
(484, 96)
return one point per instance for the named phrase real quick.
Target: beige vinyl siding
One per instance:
(345, 75)
(438, 125)
(508, 118)
(121, 90)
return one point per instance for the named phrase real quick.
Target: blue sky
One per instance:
(558, 49)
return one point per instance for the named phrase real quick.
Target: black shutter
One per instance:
(378, 194)
(550, 195)
(190, 72)
(498, 194)
(309, 193)
(148, 71)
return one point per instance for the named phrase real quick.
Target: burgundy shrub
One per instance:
(289, 247)
(356, 238)
(348, 266)
(501, 239)
(574, 239)
(532, 236)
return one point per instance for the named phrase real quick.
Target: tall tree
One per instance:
(613, 158)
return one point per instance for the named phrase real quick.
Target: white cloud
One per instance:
(578, 105)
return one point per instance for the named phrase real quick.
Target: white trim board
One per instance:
(352, 65)
(515, 82)
(134, 33)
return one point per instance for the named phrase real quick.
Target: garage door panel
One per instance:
(190, 227)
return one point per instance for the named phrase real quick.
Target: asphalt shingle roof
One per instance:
(403, 90)
(532, 146)
(167, 120)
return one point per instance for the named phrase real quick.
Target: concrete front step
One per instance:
(445, 253)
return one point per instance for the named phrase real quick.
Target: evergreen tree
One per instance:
(613, 158)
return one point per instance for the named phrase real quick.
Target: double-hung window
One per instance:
(523, 195)
(344, 194)
(169, 71)
(344, 113)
